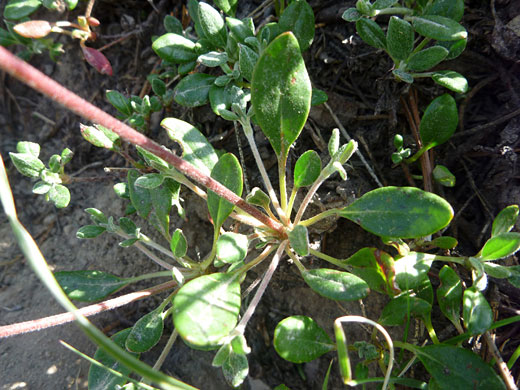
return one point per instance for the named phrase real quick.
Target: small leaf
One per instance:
(90, 231)
(307, 169)
(235, 369)
(351, 15)
(443, 176)
(59, 195)
(452, 80)
(478, 316)
(400, 212)
(247, 59)
(100, 137)
(445, 242)
(26, 147)
(128, 226)
(299, 339)
(172, 25)
(97, 60)
(18, 9)
(196, 148)
(411, 270)
(139, 196)
(206, 309)
(399, 38)
(505, 220)
(401, 75)
(500, 246)
(212, 25)
(158, 87)
(101, 379)
(258, 198)
(382, 4)
(318, 97)
(228, 6)
(146, 332)
(298, 18)
(497, 271)
(439, 28)
(175, 48)
(227, 172)
(178, 244)
(449, 294)
(150, 181)
(241, 29)
(89, 286)
(213, 59)
(66, 156)
(33, 29)
(453, 9)
(222, 355)
(27, 164)
(455, 47)
(400, 308)
(333, 145)
(439, 121)
(371, 33)
(281, 93)
(232, 247)
(337, 285)
(41, 188)
(458, 368)
(127, 243)
(426, 59)
(193, 90)
(299, 240)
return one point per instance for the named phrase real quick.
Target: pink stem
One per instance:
(59, 319)
(55, 91)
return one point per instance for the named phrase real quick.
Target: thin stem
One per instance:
(295, 259)
(328, 258)
(240, 328)
(166, 350)
(319, 217)
(59, 319)
(253, 263)
(184, 261)
(154, 258)
(160, 274)
(42, 83)
(309, 196)
(292, 198)
(283, 185)
(503, 368)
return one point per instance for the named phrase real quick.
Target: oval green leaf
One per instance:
(89, 286)
(228, 6)
(399, 38)
(453, 9)
(505, 220)
(232, 247)
(18, 9)
(500, 246)
(90, 231)
(247, 59)
(299, 240)
(443, 176)
(307, 169)
(227, 172)
(206, 309)
(178, 244)
(478, 316)
(146, 332)
(193, 90)
(426, 59)
(371, 33)
(212, 25)
(27, 164)
(439, 28)
(439, 121)
(401, 308)
(59, 195)
(337, 285)
(149, 181)
(449, 294)
(298, 18)
(235, 369)
(299, 339)
(281, 93)
(399, 212)
(120, 102)
(411, 270)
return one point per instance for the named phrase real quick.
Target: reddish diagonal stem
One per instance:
(44, 84)
(59, 319)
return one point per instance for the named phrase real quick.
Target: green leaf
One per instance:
(478, 316)
(497, 271)
(298, 18)
(193, 90)
(439, 121)
(213, 59)
(101, 379)
(411, 270)
(371, 33)
(258, 198)
(66, 156)
(120, 102)
(100, 137)
(426, 59)
(150, 181)
(71, 4)
(439, 28)
(382, 4)
(228, 6)
(90, 231)
(318, 97)
(89, 286)
(128, 226)
(299, 240)
(351, 15)
(175, 48)
(445, 242)
(6, 39)
(178, 244)
(228, 173)
(206, 309)
(247, 59)
(449, 294)
(337, 285)
(196, 148)
(26, 147)
(281, 93)
(235, 369)
(139, 196)
(401, 75)
(443, 176)
(212, 25)
(375, 267)
(514, 279)
(172, 25)
(399, 212)
(307, 169)
(453, 9)
(505, 220)
(399, 38)
(222, 355)
(458, 368)
(232, 247)
(59, 195)
(401, 308)
(18, 9)
(146, 332)
(41, 188)
(241, 29)
(299, 339)
(158, 87)
(452, 80)
(500, 246)
(27, 164)
(455, 47)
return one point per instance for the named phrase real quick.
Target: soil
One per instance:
(369, 104)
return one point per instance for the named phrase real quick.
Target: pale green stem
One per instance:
(283, 185)
(294, 258)
(292, 198)
(319, 217)
(429, 327)
(421, 45)
(160, 274)
(328, 258)
(180, 178)
(309, 196)
(253, 263)
(154, 258)
(211, 255)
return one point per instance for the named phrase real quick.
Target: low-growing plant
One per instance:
(205, 302)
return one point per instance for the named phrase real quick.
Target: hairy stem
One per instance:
(44, 84)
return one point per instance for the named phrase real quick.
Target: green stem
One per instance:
(421, 45)
(253, 263)
(292, 198)
(184, 261)
(429, 327)
(419, 153)
(310, 194)
(297, 262)
(211, 256)
(283, 185)
(328, 258)
(319, 217)
(160, 274)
